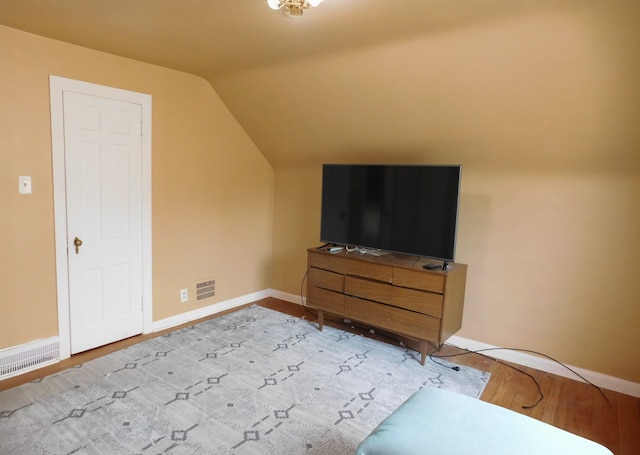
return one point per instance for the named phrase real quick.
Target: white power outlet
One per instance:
(184, 295)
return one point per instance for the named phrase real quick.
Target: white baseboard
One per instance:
(540, 363)
(204, 312)
(293, 298)
(31, 356)
(521, 358)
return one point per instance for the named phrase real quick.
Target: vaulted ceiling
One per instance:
(211, 38)
(358, 80)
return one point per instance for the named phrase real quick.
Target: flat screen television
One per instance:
(409, 209)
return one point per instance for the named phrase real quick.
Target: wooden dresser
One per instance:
(392, 292)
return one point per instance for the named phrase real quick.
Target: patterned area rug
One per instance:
(255, 381)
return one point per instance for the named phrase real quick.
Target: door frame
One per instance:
(57, 86)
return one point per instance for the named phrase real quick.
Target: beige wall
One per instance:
(542, 111)
(212, 190)
(552, 260)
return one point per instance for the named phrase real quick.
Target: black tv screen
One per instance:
(410, 209)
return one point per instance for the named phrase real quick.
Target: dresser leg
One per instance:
(320, 319)
(423, 351)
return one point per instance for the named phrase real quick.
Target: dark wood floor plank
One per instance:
(628, 423)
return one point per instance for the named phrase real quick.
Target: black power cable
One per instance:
(302, 289)
(457, 368)
(480, 352)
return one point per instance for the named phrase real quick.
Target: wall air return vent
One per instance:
(205, 289)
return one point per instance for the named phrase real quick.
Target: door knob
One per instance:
(78, 243)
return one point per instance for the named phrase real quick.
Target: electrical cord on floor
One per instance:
(455, 367)
(480, 352)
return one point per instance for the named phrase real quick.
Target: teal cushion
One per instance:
(438, 422)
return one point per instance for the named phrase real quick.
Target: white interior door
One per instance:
(103, 167)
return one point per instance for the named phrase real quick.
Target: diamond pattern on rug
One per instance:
(255, 381)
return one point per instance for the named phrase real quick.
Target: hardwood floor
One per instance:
(568, 404)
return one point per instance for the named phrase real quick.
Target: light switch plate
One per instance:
(25, 184)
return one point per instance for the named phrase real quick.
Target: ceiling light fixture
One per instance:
(293, 7)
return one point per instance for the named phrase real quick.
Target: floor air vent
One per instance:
(30, 356)
(205, 289)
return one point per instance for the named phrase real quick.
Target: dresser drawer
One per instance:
(322, 299)
(390, 292)
(367, 312)
(419, 279)
(325, 279)
(367, 289)
(371, 270)
(418, 301)
(328, 261)
(413, 324)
